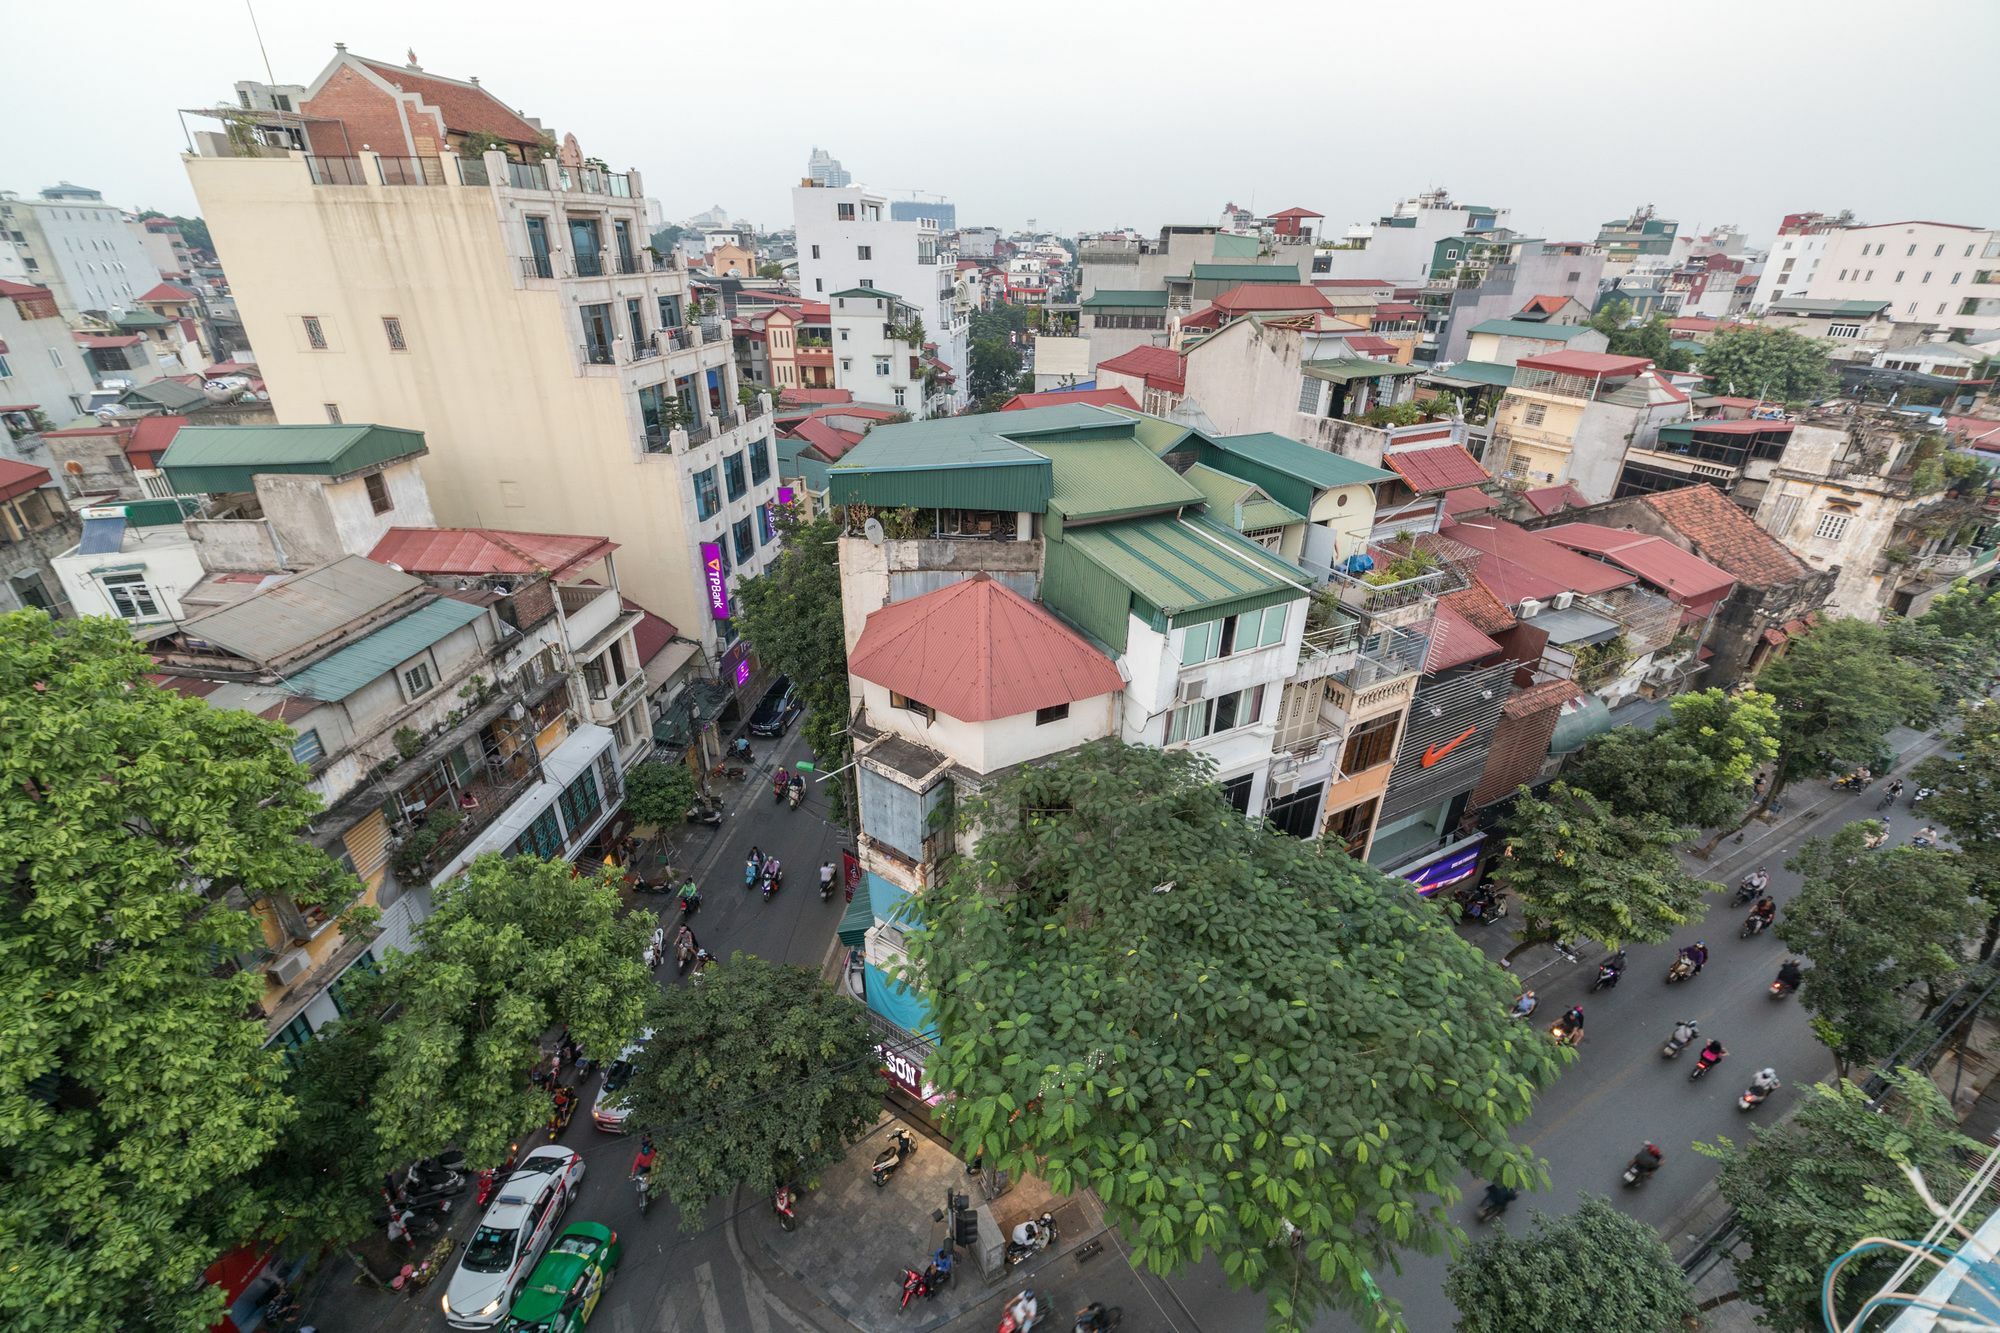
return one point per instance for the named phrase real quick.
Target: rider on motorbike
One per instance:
(1790, 974)
(1524, 1005)
(1765, 909)
(1712, 1053)
(1765, 1083)
(1647, 1160)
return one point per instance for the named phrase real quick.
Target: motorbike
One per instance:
(490, 1178)
(1749, 887)
(1702, 1065)
(1781, 991)
(826, 883)
(1041, 1235)
(1922, 794)
(690, 904)
(1565, 1033)
(795, 794)
(564, 1112)
(1853, 782)
(1636, 1175)
(1609, 971)
(773, 877)
(1095, 1318)
(684, 955)
(938, 1271)
(1682, 969)
(703, 813)
(913, 1287)
(1756, 924)
(1495, 1203)
(1682, 1036)
(435, 1175)
(1029, 1319)
(779, 787)
(1753, 1097)
(782, 1203)
(902, 1147)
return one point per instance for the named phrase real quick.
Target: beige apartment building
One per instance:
(512, 311)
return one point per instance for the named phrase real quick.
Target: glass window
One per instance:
(306, 747)
(760, 460)
(315, 334)
(580, 802)
(707, 498)
(652, 414)
(1370, 743)
(670, 312)
(733, 478)
(543, 838)
(1199, 642)
(131, 596)
(1053, 713)
(293, 1037)
(417, 679)
(746, 541)
(635, 319)
(1831, 526)
(379, 498)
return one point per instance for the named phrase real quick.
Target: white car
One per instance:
(518, 1226)
(609, 1111)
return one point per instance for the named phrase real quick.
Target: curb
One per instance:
(779, 1285)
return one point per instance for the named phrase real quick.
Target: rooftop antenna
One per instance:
(259, 32)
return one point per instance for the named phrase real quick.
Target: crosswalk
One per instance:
(694, 1304)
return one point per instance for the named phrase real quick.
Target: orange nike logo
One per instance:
(1436, 752)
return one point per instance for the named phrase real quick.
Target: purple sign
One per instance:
(784, 495)
(743, 672)
(1447, 870)
(714, 578)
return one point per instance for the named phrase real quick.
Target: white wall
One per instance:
(1948, 256)
(61, 383)
(984, 747)
(85, 252)
(171, 567)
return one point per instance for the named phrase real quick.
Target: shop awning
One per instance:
(1591, 719)
(859, 918)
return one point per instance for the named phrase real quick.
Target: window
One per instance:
(315, 335)
(306, 748)
(909, 705)
(760, 460)
(815, 252)
(900, 391)
(393, 328)
(670, 312)
(1206, 717)
(543, 837)
(746, 539)
(417, 680)
(1927, 275)
(843, 335)
(1236, 791)
(707, 497)
(1451, 254)
(864, 252)
(1843, 275)
(294, 1037)
(635, 321)
(1350, 826)
(1913, 249)
(6, 371)
(580, 802)
(1939, 254)
(379, 498)
(847, 365)
(1534, 414)
(1871, 276)
(732, 476)
(1830, 526)
(1899, 275)
(1843, 330)
(131, 596)
(881, 365)
(1295, 815)
(332, 413)
(819, 284)
(1369, 743)
(1053, 713)
(844, 212)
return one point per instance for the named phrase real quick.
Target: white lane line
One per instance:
(621, 1319)
(753, 1292)
(711, 1304)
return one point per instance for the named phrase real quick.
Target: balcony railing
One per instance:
(336, 171)
(598, 354)
(1386, 655)
(728, 418)
(527, 176)
(632, 263)
(711, 330)
(410, 170)
(676, 339)
(1369, 598)
(590, 265)
(700, 432)
(537, 266)
(472, 171)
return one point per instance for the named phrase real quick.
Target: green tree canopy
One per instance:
(996, 366)
(1219, 1029)
(659, 793)
(1770, 363)
(137, 827)
(1871, 923)
(1958, 640)
(792, 613)
(1694, 769)
(760, 1075)
(1809, 1187)
(1651, 339)
(1839, 690)
(1584, 869)
(1595, 1268)
(1966, 800)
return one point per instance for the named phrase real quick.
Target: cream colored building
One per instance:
(511, 312)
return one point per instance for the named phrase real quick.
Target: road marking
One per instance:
(621, 1319)
(752, 1292)
(711, 1304)
(669, 1321)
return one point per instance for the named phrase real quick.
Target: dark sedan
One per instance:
(780, 708)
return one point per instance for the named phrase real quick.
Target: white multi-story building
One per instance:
(874, 355)
(847, 239)
(1400, 247)
(1795, 255)
(69, 240)
(1939, 273)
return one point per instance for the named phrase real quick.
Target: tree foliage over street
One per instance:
(1839, 691)
(1871, 923)
(1809, 1187)
(1694, 769)
(1770, 363)
(137, 826)
(659, 793)
(1594, 1268)
(1957, 640)
(1583, 868)
(1217, 1028)
(760, 1075)
(791, 612)
(1965, 786)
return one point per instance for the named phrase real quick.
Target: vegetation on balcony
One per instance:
(412, 856)
(1411, 564)
(1597, 663)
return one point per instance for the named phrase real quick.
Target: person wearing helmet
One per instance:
(1765, 1083)
(1699, 953)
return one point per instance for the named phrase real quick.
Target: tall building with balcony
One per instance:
(506, 305)
(847, 239)
(1571, 417)
(68, 239)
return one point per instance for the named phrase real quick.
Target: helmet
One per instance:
(1767, 1072)
(1701, 944)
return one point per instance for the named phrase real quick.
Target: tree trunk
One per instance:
(1756, 812)
(1986, 945)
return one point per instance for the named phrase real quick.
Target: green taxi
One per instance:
(566, 1285)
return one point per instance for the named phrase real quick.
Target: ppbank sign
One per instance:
(714, 577)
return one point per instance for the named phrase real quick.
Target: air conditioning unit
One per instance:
(1563, 599)
(1530, 609)
(288, 967)
(1191, 691)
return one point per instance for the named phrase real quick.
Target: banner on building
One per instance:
(715, 578)
(1454, 865)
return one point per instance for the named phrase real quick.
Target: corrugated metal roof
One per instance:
(1472, 373)
(968, 462)
(1104, 478)
(206, 459)
(1240, 504)
(1245, 273)
(1346, 369)
(305, 610)
(341, 673)
(483, 551)
(1187, 569)
(1315, 467)
(1528, 328)
(1104, 296)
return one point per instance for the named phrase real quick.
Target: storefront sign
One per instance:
(1455, 864)
(714, 578)
(784, 495)
(850, 873)
(903, 1065)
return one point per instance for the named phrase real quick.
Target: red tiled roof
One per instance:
(1517, 564)
(467, 107)
(797, 395)
(1455, 641)
(195, 687)
(1208, 317)
(1398, 310)
(815, 312)
(96, 341)
(1467, 500)
(1550, 499)
(1157, 366)
(1724, 535)
(1118, 397)
(20, 478)
(166, 291)
(1694, 324)
(1369, 345)
(1544, 305)
(1684, 577)
(1298, 213)
(482, 551)
(977, 650)
(152, 435)
(1253, 296)
(1479, 606)
(230, 368)
(865, 411)
(1975, 431)
(1585, 363)
(1437, 467)
(831, 441)
(1548, 694)
(1352, 282)
(651, 635)
(21, 291)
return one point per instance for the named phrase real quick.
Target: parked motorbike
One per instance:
(1683, 1034)
(1922, 794)
(1031, 1238)
(913, 1287)
(1096, 1318)
(902, 1147)
(701, 812)
(1857, 781)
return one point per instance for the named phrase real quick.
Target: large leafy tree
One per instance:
(1243, 1043)
(1694, 769)
(1870, 924)
(1652, 339)
(1965, 799)
(1957, 640)
(1769, 363)
(659, 793)
(1809, 1187)
(1594, 1268)
(137, 829)
(761, 1074)
(1582, 868)
(996, 370)
(791, 612)
(1839, 691)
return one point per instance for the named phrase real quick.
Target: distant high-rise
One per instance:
(825, 169)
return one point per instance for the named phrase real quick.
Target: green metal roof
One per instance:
(1134, 300)
(141, 319)
(224, 458)
(341, 673)
(1185, 570)
(1789, 307)
(1315, 466)
(1474, 372)
(1105, 478)
(1245, 273)
(169, 394)
(859, 918)
(1242, 505)
(1346, 369)
(1228, 246)
(1528, 328)
(869, 292)
(955, 462)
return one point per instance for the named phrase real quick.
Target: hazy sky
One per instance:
(1085, 115)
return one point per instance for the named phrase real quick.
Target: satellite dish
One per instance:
(872, 530)
(74, 468)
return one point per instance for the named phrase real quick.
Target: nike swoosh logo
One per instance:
(1436, 752)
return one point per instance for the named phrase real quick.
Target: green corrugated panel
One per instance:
(1475, 372)
(1528, 328)
(159, 513)
(1189, 569)
(1084, 594)
(1235, 247)
(1237, 503)
(1347, 369)
(1318, 468)
(207, 459)
(1018, 486)
(968, 462)
(1246, 273)
(342, 673)
(1104, 478)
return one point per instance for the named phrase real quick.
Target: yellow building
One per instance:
(1571, 416)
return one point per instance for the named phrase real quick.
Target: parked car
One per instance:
(779, 709)
(569, 1281)
(517, 1227)
(609, 1111)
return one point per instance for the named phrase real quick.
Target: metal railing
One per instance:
(1387, 655)
(1343, 636)
(410, 170)
(635, 263)
(699, 432)
(657, 438)
(336, 171)
(598, 354)
(589, 265)
(527, 175)
(677, 338)
(728, 418)
(645, 349)
(472, 171)
(711, 330)
(537, 266)
(1372, 598)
